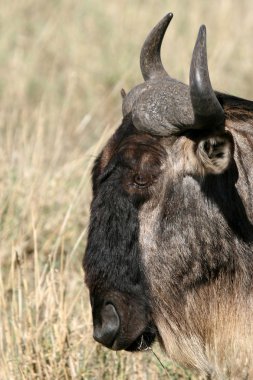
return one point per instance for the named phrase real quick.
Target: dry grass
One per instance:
(63, 63)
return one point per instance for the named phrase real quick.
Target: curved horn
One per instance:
(150, 59)
(206, 107)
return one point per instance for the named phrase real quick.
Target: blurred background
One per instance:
(63, 63)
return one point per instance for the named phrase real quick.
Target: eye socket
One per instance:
(141, 181)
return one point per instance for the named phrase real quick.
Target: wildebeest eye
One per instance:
(141, 181)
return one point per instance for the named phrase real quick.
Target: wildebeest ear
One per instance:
(214, 154)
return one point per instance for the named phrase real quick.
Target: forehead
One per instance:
(130, 147)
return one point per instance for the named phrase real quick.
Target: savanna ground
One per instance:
(63, 63)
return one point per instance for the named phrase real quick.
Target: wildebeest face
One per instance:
(125, 175)
(135, 177)
(171, 134)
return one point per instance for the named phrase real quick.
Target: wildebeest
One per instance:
(169, 252)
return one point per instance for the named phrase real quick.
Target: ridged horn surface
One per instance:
(150, 59)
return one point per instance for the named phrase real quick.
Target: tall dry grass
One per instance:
(63, 63)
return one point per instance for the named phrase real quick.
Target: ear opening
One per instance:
(214, 154)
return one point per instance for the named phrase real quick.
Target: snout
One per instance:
(107, 326)
(122, 328)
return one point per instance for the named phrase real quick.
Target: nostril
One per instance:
(106, 331)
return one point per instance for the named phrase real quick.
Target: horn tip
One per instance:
(166, 19)
(202, 31)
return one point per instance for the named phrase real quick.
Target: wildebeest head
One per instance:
(148, 198)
